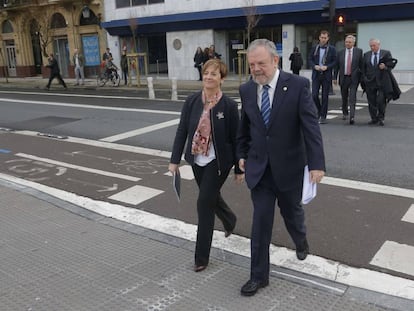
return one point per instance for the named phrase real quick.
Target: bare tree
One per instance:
(252, 18)
(43, 29)
(133, 25)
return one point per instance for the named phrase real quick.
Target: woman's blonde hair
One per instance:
(216, 64)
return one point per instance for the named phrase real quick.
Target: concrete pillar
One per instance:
(174, 95)
(288, 43)
(151, 94)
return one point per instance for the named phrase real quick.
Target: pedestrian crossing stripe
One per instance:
(396, 257)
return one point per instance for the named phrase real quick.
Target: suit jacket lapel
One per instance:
(279, 96)
(252, 98)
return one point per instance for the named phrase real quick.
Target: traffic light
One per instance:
(328, 9)
(340, 20)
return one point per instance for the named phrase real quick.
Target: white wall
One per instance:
(181, 62)
(397, 37)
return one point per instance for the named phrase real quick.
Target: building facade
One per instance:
(31, 29)
(170, 31)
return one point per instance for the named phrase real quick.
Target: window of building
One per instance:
(129, 3)
(58, 21)
(7, 27)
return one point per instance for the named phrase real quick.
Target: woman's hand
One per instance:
(239, 178)
(173, 168)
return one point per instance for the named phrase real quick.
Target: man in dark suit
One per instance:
(322, 59)
(372, 73)
(278, 135)
(54, 71)
(349, 67)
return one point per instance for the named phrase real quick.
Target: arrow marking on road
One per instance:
(114, 187)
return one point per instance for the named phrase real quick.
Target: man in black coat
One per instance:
(372, 71)
(349, 67)
(54, 71)
(322, 60)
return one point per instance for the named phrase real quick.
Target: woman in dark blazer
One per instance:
(208, 123)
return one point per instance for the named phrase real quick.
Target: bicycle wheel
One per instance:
(101, 80)
(116, 79)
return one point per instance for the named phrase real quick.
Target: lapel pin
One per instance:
(285, 88)
(220, 115)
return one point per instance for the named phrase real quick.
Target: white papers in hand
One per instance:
(309, 188)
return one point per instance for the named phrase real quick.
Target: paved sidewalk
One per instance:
(58, 256)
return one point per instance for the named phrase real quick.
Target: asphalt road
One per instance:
(345, 224)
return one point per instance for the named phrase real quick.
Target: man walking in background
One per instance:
(349, 68)
(372, 73)
(54, 71)
(322, 59)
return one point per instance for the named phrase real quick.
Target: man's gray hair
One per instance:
(377, 41)
(269, 45)
(351, 37)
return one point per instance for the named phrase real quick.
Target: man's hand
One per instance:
(316, 176)
(241, 164)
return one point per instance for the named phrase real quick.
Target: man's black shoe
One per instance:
(381, 123)
(303, 250)
(351, 121)
(251, 287)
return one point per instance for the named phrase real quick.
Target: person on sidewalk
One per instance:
(79, 62)
(278, 135)
(372, 72)
(198, 62)
(349, 68)
(296, 61)
(107, 54)
(54, 71)
(322, 60)
(208, 123)
(124, 66)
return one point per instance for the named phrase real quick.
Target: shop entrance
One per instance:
(61, 51)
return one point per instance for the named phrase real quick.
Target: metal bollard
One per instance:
(174, 95)
(151, 93)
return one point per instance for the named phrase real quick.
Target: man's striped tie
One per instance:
(265, 108)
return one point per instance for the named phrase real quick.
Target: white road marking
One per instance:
(314, 265)
(335, 111)
(79, 168)
(409, 216)
(338, 182)
(320, 284)
(395, 256)
(135, 195)
(186, 172)
(82, 95)
(140, 131)
(364, 186)
(34, 102)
